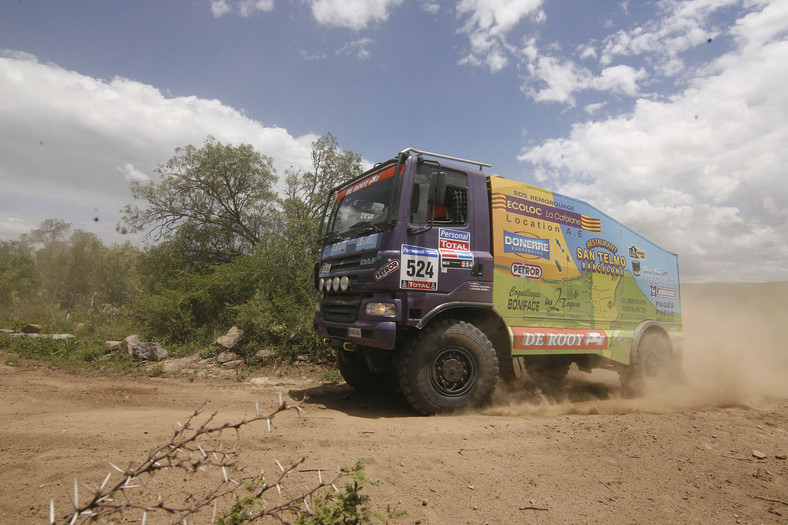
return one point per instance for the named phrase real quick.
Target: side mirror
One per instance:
(438, 184)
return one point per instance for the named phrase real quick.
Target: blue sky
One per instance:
(671, 116)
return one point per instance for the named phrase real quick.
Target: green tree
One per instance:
(303, 203)
(253, 268)
(50, 233)
(306, 192)
(80, 265)
(95, 275)
(19, 278)
(120, 281)
(281, 311)
(54, 278)
(51, 239)
(214, 203)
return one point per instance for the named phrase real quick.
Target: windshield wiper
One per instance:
(365, 226)
(331, 237)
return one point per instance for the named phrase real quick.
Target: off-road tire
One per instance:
(356, 373)
(653, 366)
(450, 365)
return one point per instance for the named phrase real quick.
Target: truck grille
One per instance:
(346, 264)
(341, 309)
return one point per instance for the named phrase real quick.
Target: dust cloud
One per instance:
(734, 347)
(734, 355)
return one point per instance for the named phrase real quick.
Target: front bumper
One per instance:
(381, 334)
(364, 330)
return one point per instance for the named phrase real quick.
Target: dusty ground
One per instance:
(682, 456)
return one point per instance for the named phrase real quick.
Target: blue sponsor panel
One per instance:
(523, 245)
(351, 246)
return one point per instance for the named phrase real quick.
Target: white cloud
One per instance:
(487, 25)
(132, 174)
(562, 78)
(360, 48)
(558, 80)
(591, 109)
(619, 79)
(353, 14)
(249, 7)
(701, 172)
(244, 8)
(586, 52)
(680, 25)
(71, 143)
(432, 8)
(306, 55)
(659, 44)
(220, 8)
(13, 227)
(761, 26)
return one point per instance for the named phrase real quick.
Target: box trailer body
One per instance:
(430, 263)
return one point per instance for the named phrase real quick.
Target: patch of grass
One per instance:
(183, 350)
(331, 374)
(72, 353)
(208, 352)
(157, 370)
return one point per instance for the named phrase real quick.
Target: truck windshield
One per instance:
(364, 206)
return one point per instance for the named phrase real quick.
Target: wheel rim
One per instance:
(655, 362)
(453, 372)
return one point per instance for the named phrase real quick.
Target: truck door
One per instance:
(453, 231)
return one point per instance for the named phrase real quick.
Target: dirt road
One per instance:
(683, 456)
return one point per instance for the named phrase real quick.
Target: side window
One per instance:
(453, 211)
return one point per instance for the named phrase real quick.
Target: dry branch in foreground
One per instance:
(193, 448)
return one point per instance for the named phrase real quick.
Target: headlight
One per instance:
(381, 309)
(321, 284)
(344, 282)
(335, 284)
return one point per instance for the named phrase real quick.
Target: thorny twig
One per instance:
(183, 452)
(295, 504)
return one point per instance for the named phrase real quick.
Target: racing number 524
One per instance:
(420, 268)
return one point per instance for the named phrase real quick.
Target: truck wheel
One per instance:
(450, 365)
(548, 374)
(356, 373)
(653, 366)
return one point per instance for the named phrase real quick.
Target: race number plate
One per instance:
(419, 268)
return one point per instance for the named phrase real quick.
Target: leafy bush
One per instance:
(282, 323)
(348, 507)
(332, 507)
(208, 352)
